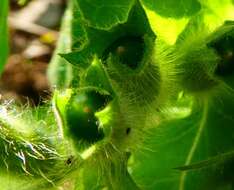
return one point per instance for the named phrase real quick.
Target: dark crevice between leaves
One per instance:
(224, 47)
(128, 50)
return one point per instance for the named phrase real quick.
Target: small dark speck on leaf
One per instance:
(128, 130)
(69, 160)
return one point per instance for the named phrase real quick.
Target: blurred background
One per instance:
(33, 32)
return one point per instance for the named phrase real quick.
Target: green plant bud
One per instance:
(203, 65)
(197, 70)
(78, 115)
(195, 63)
(28, 147)
(133, 71)
(96, 76)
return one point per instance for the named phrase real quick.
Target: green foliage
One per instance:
(143, 99)
(116, 12)
(172, 8)
(4, 33)
(190, 140)
(31, 148)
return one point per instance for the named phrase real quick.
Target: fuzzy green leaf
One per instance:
(205, 133)
(92, 42)
(105, 14)
(32, 155)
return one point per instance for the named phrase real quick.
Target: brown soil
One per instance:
(24, 79)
